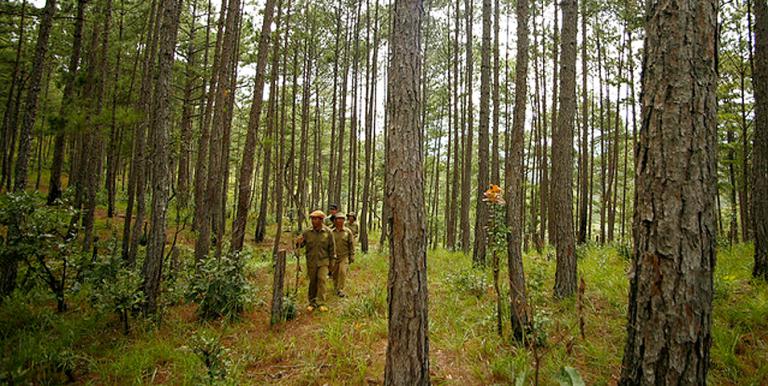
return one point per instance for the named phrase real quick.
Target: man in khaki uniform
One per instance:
(333, 209)
(320, 250)
(352, 223)
(345, 253)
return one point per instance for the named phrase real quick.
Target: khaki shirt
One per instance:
(345, 244)
(319, 246)
(354, 227)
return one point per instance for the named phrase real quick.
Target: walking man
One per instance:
(320, 250)
(345, 253)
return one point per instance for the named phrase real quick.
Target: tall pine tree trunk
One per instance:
(30, 105)
(675, 230)
(54, 186)
(562, 154)
(481, 208)
(514, 180)
(760, 149)
(408, 343)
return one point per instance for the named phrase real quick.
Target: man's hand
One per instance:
(300, 240)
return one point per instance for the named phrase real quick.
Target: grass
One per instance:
(348, 343)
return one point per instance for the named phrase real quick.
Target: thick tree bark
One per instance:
(760, 147)
(671, 287)
(514, 179)
(30, 104)
(562, 154)
(408, 343)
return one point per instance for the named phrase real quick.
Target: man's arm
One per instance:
(351, 247)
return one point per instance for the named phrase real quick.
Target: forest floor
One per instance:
(347, 344)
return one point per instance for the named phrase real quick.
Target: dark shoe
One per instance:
(341, 294)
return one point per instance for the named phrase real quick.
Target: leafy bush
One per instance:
(220, 288)
(116, 288)
(213, 354)
(36, 234)
(470, 281)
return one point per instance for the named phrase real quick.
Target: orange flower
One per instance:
(494, 195)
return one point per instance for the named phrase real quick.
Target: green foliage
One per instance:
(469, 281)
(370, 305)
(570, 377)
(221, 288)
(37, 234)
(209, 349)
(116, 288)
(42, 345)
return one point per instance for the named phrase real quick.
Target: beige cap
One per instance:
(317, 213)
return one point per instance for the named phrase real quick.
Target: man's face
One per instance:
(333, 211)
(339, 221)
(317, 222)
(350, 219)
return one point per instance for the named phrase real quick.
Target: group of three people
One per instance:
(330, 248)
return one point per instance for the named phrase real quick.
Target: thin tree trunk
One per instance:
(160, 130)
(562, 154)
(138, 167)
(185, 144)
(467, 162)
(586, 199)
(514, 180)
(10, 115)
(760, 149)
(30, 104)
(261, 221)
(369, 142)
(481, 208)
(54, 186)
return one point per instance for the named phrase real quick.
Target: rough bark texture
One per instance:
(481, 208)
(514, 179)
(674, 226)
(160, 133)
(562, 154)
(408, 343)
(246, 167)
(30, 106)
(760, 147)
